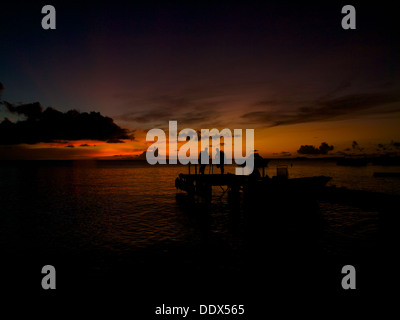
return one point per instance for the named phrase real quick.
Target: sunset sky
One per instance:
(287, 70)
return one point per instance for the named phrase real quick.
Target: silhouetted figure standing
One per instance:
(220, 156)
(203, 158)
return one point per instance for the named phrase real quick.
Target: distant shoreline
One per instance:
(394, 160)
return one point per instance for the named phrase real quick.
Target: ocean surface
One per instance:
(127, 213)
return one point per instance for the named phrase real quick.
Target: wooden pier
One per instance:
(201, 184)
(282, 188)
(252, 185)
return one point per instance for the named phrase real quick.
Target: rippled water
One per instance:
(91, 205)
(117, 207)
(359, 178)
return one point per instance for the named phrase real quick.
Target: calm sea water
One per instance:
(119, 207)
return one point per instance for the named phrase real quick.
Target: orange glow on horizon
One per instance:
(271, 142)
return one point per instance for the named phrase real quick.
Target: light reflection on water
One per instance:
(118, 206)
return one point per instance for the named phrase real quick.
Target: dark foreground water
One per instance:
(120, 229)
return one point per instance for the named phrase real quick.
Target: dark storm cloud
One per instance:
(32, 111)
(52, 125)
(324, 148)
(344, 107)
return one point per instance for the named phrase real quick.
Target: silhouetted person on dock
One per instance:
(203, 158)
(220, 156)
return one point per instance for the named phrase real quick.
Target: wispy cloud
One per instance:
(187, 110)
(323, 109)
